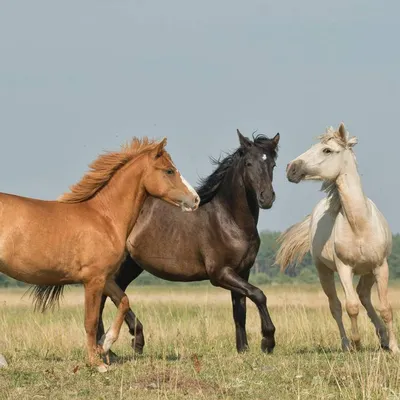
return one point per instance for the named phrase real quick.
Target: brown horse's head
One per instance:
(163, 180)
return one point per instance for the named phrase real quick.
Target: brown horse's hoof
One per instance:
(267, 345)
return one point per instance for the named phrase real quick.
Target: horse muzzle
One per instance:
(295, 171)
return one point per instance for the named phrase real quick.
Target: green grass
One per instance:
(190, 350)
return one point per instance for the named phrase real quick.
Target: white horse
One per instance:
(345, 232)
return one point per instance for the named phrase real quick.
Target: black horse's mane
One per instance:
(209, 186)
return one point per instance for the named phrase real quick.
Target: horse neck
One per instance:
(352, 198)
(241, 203)
(122, 198)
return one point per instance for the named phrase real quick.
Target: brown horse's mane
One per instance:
(104, 168)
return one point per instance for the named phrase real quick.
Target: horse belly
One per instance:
(32, 266)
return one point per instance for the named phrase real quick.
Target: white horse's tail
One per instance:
(294, 244)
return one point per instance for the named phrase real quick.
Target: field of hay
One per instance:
(190, 349)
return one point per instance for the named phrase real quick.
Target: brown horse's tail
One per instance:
(46, 297)
(294, 244)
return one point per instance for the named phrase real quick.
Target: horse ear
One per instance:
(275, 139)
(159, 150)
(343, 134)
(352, 141)
(244, 141)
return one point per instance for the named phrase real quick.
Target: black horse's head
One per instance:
(253, 163)
(258, 157)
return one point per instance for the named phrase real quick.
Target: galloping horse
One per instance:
(81, 239)
(219, 242)
(345, 232)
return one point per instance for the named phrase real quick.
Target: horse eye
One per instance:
(169, 171)
(327, 151)
(248, 164)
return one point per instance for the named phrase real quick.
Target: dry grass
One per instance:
(190, 350)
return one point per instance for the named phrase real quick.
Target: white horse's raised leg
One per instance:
(382, 277)
(352, 304)
(326, 277)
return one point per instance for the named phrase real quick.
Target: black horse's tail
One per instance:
(46, 297)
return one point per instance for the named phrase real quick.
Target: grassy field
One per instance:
(190, 350)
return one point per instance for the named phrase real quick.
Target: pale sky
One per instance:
(80, 77)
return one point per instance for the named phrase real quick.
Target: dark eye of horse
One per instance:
(169, 171)
(327, 151)
(248, 164)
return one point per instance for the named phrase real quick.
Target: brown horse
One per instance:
(82, 237)
(219, 242)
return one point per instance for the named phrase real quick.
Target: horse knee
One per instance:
(386, 314)
(124, 304)
(258, 296)
(352, 309)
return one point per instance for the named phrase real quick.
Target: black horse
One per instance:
(218, 242)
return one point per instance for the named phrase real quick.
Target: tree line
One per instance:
(264, 271)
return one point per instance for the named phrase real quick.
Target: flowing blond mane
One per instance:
(332, 133)
(104, 168)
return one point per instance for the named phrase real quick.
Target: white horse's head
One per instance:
(326, 159)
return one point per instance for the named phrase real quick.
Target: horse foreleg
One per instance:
(93, 291)
(227, 278)
(327, 279)
(352, 304)
(112, 290)
(364, 293)
(128, 272)
(382, 277)
(239, 316)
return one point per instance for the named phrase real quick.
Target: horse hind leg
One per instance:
(364, 293)
(326, 277)
(382, 277)
(112, 290)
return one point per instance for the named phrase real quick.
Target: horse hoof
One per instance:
(267, 345)
(3, 362)
(243, 349)
(102, 368)
(346, 345)
(137, 347)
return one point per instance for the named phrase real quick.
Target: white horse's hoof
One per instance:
(102, 368)
(3, 362)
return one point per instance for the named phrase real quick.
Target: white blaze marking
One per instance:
(189, 187)
(264, 157)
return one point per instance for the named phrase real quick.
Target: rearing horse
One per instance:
(219, 242)
(81, 239)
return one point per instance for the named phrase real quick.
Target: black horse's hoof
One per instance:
(137, 346)
(267, 345)
(243, 349)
